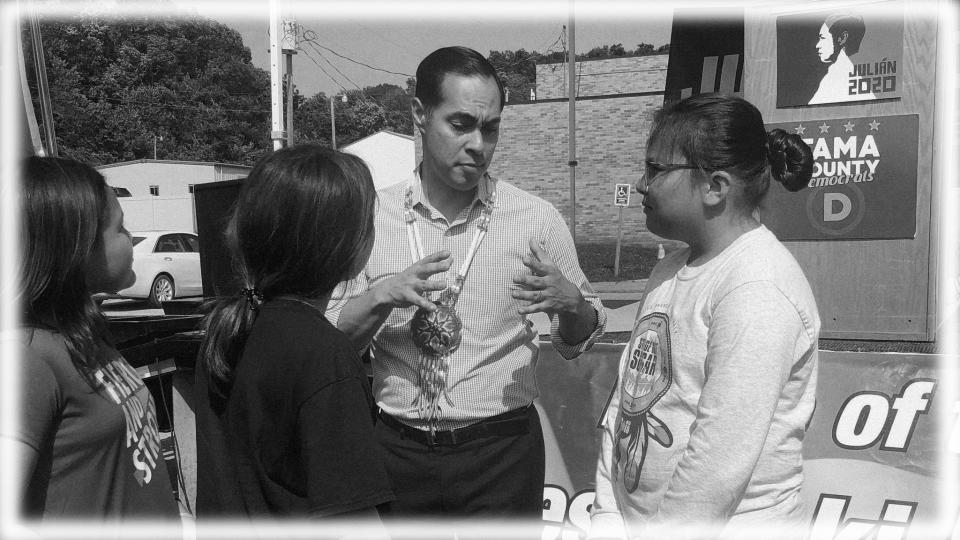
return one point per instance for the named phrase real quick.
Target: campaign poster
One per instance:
(849, 54)
(864, 183)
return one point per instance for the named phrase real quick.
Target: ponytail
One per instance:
(226, 327)
(791, 160)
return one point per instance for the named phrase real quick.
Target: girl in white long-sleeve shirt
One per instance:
(703, 433)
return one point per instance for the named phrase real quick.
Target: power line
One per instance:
(549, 48)
(331, 77)
(363, 95)
(310, 36)
(342, 74)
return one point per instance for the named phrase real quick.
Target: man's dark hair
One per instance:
(458, 60)
(838, 23)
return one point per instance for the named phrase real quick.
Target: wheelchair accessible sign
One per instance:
(621, 195)
(864, 183)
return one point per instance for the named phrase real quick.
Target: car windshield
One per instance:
(137, 239)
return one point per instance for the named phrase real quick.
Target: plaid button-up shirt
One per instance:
(493, 370)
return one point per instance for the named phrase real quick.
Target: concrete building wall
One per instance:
(173, 207)
(390, 156)
(173, 178)
(604, 77)
(158, 213)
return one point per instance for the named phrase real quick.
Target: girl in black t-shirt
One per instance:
(284, 407)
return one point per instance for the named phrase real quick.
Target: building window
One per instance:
(190, 187)
(155, 190)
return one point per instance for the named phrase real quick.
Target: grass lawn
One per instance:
(596, 260)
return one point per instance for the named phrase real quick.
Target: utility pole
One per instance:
(33, 142)
(333, 125)
(39, 64)
(333, 120)
(288, 45)
(572, 117)
(277, 132)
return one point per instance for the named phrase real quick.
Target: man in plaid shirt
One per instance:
(479, 450)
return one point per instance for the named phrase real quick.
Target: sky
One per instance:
(395, 36)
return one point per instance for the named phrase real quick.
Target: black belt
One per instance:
(513, 422)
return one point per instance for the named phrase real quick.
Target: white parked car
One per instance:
(167, 264)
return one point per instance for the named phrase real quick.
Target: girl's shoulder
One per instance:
(43, 359)
(297, 328)
(764, 257)
(294, 316)
(299, 340)
(43, 343)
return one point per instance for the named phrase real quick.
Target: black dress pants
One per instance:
(487, 477)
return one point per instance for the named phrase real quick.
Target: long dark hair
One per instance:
(303, 219)
(64, 211)
(722, 132)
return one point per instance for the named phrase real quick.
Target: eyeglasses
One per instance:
(653, 169)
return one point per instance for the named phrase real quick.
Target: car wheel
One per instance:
(161, 290)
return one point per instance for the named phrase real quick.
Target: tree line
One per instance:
(121, 88)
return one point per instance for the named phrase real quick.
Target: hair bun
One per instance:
(791, 160)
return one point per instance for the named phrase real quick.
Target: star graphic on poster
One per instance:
(874, 126)
(848, 126)
(824, 128)
(799, 129)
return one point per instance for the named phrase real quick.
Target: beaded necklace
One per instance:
(438, 333)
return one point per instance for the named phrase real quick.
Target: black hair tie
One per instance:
(254, 297)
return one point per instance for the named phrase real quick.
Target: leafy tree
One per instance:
(119, 86)
(396, 105)
(367, 111)
(116, 85)
(311, 120)
(644, 49)
(518, 69)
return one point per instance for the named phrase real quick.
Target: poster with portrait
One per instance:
(864, 182)
(849, 54)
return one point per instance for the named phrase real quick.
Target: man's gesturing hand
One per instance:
(545, 288)
(408, 287)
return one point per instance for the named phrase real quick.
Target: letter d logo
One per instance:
(830, 210)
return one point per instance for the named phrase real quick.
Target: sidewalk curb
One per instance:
(628, 286)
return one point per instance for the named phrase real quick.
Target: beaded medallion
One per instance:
(438, 333)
